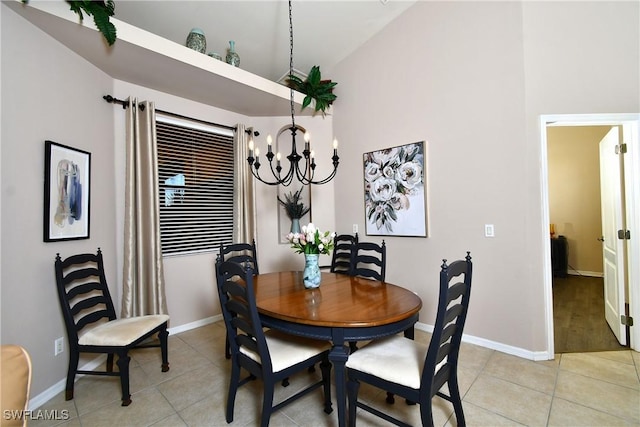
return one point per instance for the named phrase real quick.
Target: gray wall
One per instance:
(472, 79)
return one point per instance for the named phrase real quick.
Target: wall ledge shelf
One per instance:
(145, 59)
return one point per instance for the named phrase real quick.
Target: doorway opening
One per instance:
(630, 294)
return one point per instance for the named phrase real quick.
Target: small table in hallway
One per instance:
(341, 310)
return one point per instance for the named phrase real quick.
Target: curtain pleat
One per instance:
(143, 276)
(244, 207)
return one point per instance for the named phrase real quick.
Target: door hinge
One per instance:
(626, 320)
(624, 234)
(621, 148)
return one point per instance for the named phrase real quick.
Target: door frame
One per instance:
(632, 193)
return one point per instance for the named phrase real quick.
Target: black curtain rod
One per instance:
(110, 99)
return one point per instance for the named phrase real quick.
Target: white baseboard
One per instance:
(585, 273)
(493, 345)
(58, 387)
(196, 324)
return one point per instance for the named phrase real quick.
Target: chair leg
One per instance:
(164, 348)
(74, 356)
(123, 366)
(325, 368)
(227, 349)
(267, 403)
(426, 414)
(233, 388)
(352, 394)
(454, 393)
(110, 362)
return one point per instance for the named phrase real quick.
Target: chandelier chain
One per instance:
(305, 174)
(293, 120)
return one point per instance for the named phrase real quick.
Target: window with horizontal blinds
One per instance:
(195, 179)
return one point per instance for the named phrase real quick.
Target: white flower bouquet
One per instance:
(311, 240)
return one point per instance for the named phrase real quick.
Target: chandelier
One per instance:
(304, 173)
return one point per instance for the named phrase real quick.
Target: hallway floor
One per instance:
(578, 316)
(575, 389)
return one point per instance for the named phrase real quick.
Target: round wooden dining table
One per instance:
(343, 309)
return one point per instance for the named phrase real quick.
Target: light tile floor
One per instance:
(575, 389)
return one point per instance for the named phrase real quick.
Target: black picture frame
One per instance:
(67, 184)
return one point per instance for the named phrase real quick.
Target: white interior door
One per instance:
(612, 221)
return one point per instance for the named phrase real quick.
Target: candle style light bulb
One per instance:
(307, 137)
(257, 154)
(269, 141)
(313, 157)
(278, 159)
(251, 144)
(335, 144)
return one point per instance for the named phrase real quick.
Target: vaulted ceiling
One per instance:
(325, 32)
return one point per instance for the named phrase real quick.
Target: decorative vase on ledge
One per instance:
(295, 225)
(232, 56)
(197, 41)
(311, 274)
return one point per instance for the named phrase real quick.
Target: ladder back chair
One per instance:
(244, 254)
(341, 256)
(369, 260)
(414, 370)
(271, 356)
(91, 323)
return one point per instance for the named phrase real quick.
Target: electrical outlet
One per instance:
(58, 346)
(355, 228)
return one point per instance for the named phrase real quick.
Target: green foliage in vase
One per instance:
(315, 88)
(101, 12)
(293, 205)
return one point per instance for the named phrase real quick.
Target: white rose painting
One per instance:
(394, 191)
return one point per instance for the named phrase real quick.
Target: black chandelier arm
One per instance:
(305, 174)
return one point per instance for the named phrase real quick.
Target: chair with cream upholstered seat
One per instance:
(271, 356)
(91, 323)
(412, 369)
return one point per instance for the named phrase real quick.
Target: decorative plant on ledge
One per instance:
(101, 12)
(315, 88)
(293, 205)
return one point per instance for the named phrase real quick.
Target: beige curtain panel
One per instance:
(244, 206)
(143, 276)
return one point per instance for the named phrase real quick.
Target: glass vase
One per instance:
(311, 275)
(232, 57)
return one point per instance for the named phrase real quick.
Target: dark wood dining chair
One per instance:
(368, 260)
(244, 254)
(341, 256)
(414, 370)
(92, 327)
(271, 356)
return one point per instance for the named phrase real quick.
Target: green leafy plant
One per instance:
(101, 12)
(321, 91)
(293, 205)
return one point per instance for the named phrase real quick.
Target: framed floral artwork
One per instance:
(67, 173)
(395, 191)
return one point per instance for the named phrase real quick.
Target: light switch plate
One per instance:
(489, 230)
